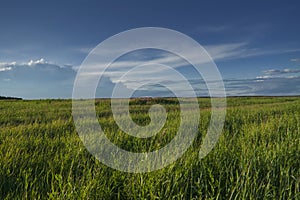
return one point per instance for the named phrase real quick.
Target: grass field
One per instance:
(257, 155)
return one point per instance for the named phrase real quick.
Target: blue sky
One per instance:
(255, 44)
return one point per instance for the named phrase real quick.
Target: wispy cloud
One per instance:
(275, 82)
(264, 85)
(261, 85)
(281, 71)
(226, 51)
(218, 52)
(40, 79)
(295, 60)
(213, 29)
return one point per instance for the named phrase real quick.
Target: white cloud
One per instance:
(5, 64)
(2, 69)
(263, 77)
(34, 62)
(48, 80)
(36, 79)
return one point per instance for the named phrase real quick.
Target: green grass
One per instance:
(256, 157)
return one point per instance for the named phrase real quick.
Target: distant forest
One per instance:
(9, 98)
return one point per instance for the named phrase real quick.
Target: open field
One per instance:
(257, 155)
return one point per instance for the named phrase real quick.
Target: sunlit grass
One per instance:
(257, 155)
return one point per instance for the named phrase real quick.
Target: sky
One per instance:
(255, 44)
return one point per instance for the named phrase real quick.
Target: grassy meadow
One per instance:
(256, 157)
